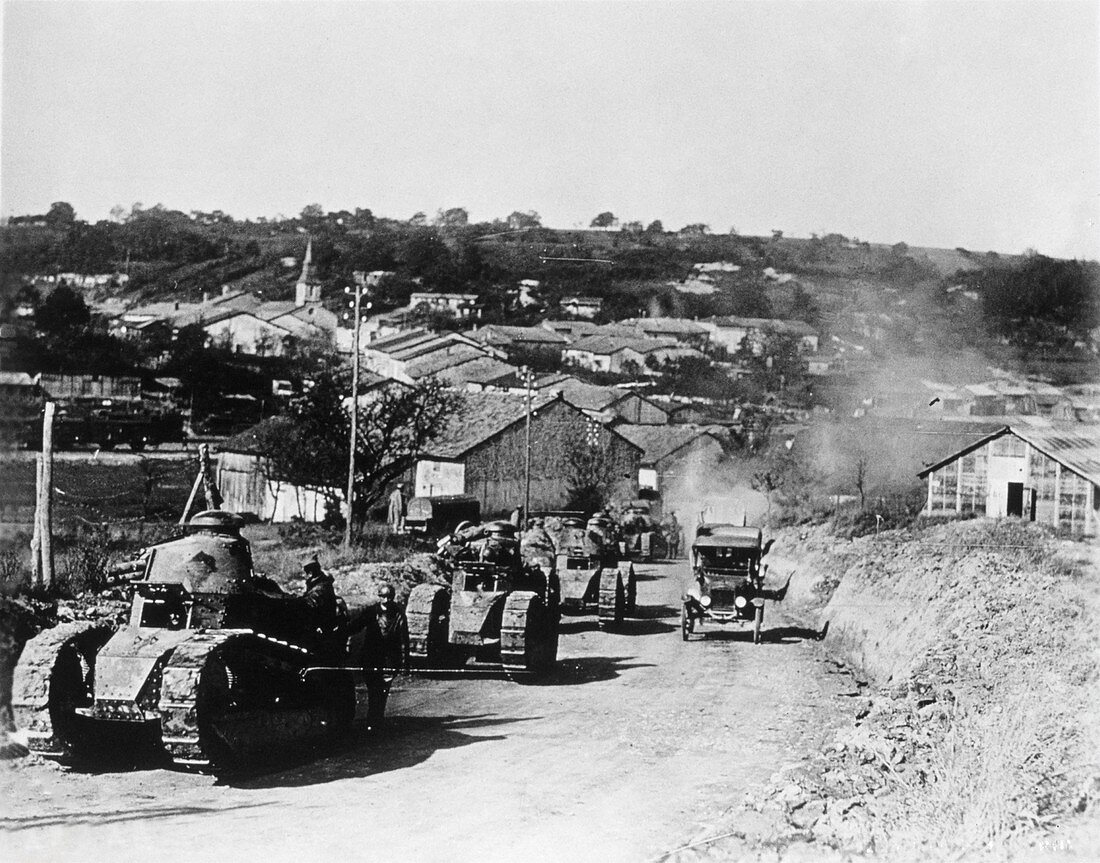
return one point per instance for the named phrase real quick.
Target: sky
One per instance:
(973, 124)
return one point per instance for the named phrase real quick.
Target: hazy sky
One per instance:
(950, 124)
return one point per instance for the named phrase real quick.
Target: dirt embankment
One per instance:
(975, 653)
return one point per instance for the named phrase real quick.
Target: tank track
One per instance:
(612, 602)
(421, 612)
(524, 615)
(630, 580)
(188, 735)
(31, 682)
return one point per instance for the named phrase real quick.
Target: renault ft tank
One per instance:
(215, 666)
(590, 573)
(496, 611)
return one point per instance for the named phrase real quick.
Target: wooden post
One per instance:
(42, 540)
(209, 487)
(353, 438)
(191, 497)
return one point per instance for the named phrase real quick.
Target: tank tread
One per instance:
(612, 600)
(420, 612)
(31, 681)
(245, 733)
(178, 701)
(513, 630)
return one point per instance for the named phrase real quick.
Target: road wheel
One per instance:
(758, 620)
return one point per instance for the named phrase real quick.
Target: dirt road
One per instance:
(633, 747)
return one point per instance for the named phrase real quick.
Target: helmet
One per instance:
(385, 592)
(215, 521)
(501, 529)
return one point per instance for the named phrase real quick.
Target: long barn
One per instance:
(1045, 473)
(482, 452)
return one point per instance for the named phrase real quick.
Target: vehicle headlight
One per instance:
(740, 601)
(704, 601)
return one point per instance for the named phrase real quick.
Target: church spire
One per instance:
(307, 290)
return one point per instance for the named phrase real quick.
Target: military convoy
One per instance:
(215, 667)
(496, 610)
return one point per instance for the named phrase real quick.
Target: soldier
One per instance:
(674, 534)
(396, 514)
(385, 649)
(324, 611)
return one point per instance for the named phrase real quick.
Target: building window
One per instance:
(973, 482)
(944, 488)
(1009, 446)
(1073, 502)
(1042, 475)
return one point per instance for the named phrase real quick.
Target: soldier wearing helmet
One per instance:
(325, 611)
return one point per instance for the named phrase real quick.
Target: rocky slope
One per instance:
(975, 657)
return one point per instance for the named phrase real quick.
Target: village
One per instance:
(666, 399)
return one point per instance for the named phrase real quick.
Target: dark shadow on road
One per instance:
(656, 612)
(399, 742)
(97, 819)
(652, 626)
(775, 635)
(588, 669)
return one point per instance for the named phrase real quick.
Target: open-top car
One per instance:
(728, 580)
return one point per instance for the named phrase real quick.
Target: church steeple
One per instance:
(308, 290)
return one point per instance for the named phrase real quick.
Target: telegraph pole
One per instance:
(527, 457)
(354, 411)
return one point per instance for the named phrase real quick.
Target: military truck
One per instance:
(439, 515)
(728, 581)
(494, 612)
(215, 668)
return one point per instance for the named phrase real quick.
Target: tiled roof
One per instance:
(482, 416)
(448, 356)
(797, 328)
(601, 344)
(659, 441)
(500, 334)
(678, 326)
(589, 397)
(477, 370)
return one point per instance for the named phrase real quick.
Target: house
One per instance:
(248, 486)
(571, 330)
(459, 305)
(477, 374)
(730, 332)
(611, 404)
(681, 329)
(522, 340)
(1040, 471)
(243, 332)
(525, 295)
(674, 455)
(482, 451)
(414, 354)
(625, 355)
(581, 307)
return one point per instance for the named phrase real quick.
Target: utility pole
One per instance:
(527, 457)
(42, 538)
(356, 323)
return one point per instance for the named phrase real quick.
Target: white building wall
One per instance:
(1002, 471)
(439, 477)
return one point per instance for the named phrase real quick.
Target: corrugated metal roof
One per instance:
(1075, 446)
